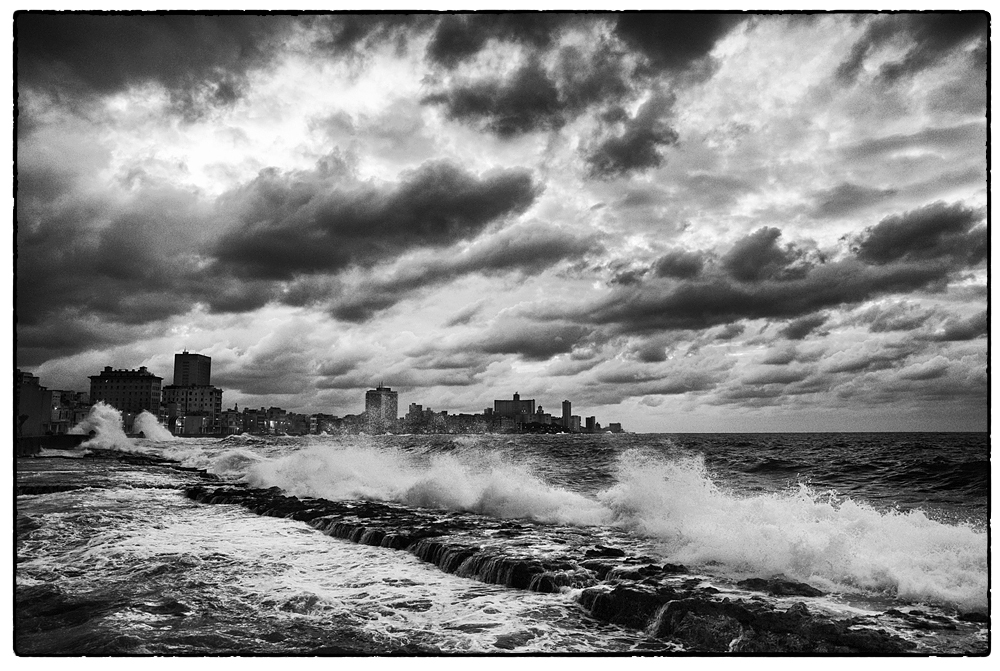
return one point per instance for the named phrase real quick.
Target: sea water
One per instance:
(128, 565)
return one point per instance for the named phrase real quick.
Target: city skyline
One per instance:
(684, 222)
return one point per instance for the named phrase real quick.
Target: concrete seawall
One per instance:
(31, 445)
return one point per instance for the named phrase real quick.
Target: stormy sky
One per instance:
(682, 222)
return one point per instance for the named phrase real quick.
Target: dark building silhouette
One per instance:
(127, 390)
(381, 409)
(192, 370)
(34, 405)
(192, 405)
(514, 408)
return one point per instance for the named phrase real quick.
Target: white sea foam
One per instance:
(473, 481)
(106, 423)
(150, 427)
(835, 543)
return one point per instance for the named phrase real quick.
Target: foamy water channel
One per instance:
(145, 556)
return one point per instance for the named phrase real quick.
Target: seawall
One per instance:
(27, 446)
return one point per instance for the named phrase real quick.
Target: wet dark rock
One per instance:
(734, 626)
(631, 606)
(515, 640)
(633, 592)
(46, 608)
(779, 587)
(598, 567)
(604, 551)
(974, 617)
(675, 568)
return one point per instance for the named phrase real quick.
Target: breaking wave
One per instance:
(471, 481)
(836, 543)
(106, 423)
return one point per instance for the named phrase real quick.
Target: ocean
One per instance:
(637, 544)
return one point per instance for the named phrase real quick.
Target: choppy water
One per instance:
(129, 565)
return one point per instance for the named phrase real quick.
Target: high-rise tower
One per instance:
(192, 370)
(381, 409)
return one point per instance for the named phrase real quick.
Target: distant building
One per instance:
(567, 413)
(381, 409)
(130, 391)
(192, 369)
(192, 394)
(195, 400)
(231, 421)
(34, 405)
(323, 423)
(615, 427)
(592, 424)
(514, 407)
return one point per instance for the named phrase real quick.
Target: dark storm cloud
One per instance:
(637, 147)
(524, 102)
(352, 34)
(311, 222)
(846, 198)
(927, 38)
(673, 41)
(200, 59)
(974, 327)
(899, 316)
(928, 370)
(758, 257)
(526, 251)
(705, 303)
(759, 279)
(782, 375)
(592, 78)
(679, 264)
(459, 37)
(781, 356)
(800, 328)
(851, 362)
(537, 97)
(125, 261)
(72, 332)
(730, 331)
(936, 231)
(530, 340)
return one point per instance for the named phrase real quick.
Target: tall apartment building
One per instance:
(381, 409)
(130, 391)
(192, 369)
(192, 403)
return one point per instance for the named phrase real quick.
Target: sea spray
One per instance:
(147, 424)
(472, 481)
(106, 423)
(836, 543)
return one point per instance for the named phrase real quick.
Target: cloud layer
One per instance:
(681, 221)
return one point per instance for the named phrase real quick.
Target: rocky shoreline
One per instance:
(664, 600)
